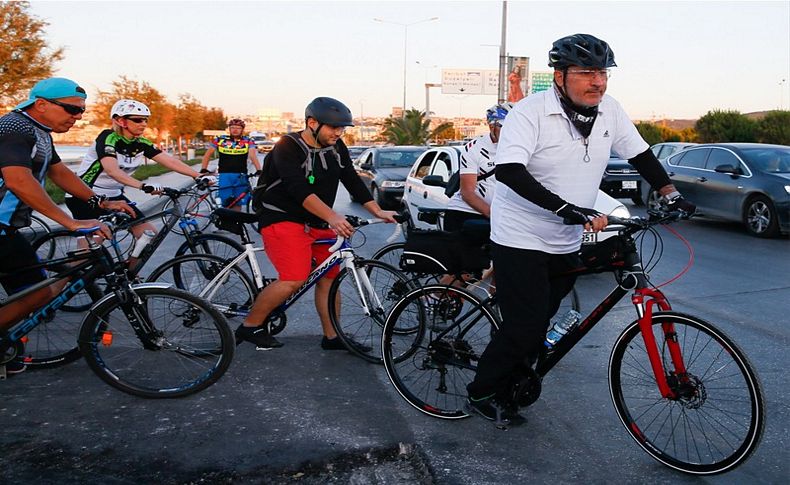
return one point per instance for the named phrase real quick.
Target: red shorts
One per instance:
(291, 249)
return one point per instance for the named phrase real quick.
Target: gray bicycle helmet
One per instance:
(329, 111)
(583, 50)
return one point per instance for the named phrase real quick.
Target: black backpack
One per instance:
(454, 183)
(268, 178)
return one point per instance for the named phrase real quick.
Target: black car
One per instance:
(622, 181)
(746, 182)
(384, 170)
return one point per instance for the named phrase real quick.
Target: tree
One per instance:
(25, 57)
(188, 120)
(447, 133)
(650, 132)
(161, 110)
(412, 129)
(214, 119)
(774, 128)
(725, 126)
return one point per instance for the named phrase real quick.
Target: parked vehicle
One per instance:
(667, 148)
(622, 181)
(746, 182)
(355, 151)
(384, 170)
(428, 177)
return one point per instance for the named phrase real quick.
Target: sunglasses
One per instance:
(71, 109)
(137, 120)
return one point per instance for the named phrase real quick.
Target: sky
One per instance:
(675, 59)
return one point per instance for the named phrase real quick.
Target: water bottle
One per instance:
(142, 242)
(561, 326)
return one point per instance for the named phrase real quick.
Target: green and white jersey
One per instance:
(130, 154)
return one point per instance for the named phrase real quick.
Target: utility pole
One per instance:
(502, 54)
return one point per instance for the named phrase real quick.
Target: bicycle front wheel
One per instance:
(196, 206)
(224, 247)
(716, 419)
(37, 229)
(168, 344)
(431, 366)
(381, 286)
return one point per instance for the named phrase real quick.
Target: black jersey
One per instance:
(24, 142)
(233, 153)
(288, 169)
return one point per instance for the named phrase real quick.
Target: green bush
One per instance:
(719, 126)
(774, 128)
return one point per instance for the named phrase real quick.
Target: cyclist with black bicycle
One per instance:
(234, 150)
(115, 155)
(552, 153)
(294, 200)
(27, 157)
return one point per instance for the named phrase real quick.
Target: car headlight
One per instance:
(787, 189)
(392, 184)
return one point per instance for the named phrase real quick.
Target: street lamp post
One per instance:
(405, 47)
(782, 94)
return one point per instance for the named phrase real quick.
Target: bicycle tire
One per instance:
(64, 242)
(191, 347)
(192, 273)
(721, 409)
(37, 229)
(355, 329)
(431, 367)
(222, 246)
(195, 205)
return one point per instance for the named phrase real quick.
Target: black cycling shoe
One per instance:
(257, 335)
(492, 410)
(337, 344)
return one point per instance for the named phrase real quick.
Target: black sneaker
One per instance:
(337, 344)
(257, 335)
(492, 410)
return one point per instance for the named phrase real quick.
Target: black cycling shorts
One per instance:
(454, 219)
(13, 275)
(81, 210)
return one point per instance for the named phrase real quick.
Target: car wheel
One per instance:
(376, 193)
(760, 217)
(653, 200)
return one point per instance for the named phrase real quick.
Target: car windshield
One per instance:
(405, 158)
(354, 152)
(771, 160)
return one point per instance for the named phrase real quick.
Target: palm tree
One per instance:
(412, 129)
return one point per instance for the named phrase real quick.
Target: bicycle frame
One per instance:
(340, 251)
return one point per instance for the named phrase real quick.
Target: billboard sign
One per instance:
(517, 77)
(470, 81)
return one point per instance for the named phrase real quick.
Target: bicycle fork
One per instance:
(644, 299)
(364, 287)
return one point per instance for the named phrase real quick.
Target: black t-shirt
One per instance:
(287, 177)
(23, 143)
(232, 153)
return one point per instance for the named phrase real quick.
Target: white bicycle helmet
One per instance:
(129, 107)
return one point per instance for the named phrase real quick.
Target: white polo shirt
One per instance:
(538, 134)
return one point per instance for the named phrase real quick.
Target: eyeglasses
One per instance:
(337, 129)
(591, 73)
(137, 120)
(71, 109)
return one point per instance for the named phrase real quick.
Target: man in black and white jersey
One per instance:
(27, 157)
(552, 152)
(473, 199)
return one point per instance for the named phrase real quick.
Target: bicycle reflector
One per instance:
(106, 339)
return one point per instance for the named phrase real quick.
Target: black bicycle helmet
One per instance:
(583, 50)
(329, 111)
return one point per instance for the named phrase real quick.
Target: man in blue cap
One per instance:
(27, 157)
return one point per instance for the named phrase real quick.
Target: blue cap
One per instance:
(53, 88)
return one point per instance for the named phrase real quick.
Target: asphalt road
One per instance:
(300, 414)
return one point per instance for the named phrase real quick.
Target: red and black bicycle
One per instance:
(683, 390)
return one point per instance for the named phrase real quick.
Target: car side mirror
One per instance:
(434, 181)
(730, 169)
(366, 166)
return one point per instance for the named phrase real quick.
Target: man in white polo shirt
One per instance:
(552, 152)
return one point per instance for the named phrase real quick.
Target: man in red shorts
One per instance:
(301, 178)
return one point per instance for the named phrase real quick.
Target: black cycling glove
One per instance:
(678, 203)
(572, 214)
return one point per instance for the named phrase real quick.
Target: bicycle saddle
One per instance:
(229, 215)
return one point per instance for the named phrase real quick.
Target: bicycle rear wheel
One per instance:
(37, 229)
(716, 421)
(361, 332)
(431, 366)
(195, 205)
(193, 272)
(183, 346)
